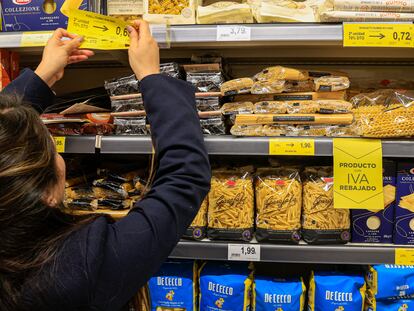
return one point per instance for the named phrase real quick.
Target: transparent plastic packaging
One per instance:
(198, 228)
(122, 86)
(236, 86)
(278, 205)
(224, 12)
(331, 84)
(247, 130)
(270, 107)
(321, 222)
(231, 205)
(208, 103)
(305, 106)
(268, 87)
(171, 69)
(281, 73)
(123, 105)
(131, 126)
(213, 126)
(299, 86)
(237, 108)
(206, 81)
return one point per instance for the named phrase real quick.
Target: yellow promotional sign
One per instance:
(404, 256)
(358, 173)
(60, 143)
(378, 35)
(286, 146)
(100, 32)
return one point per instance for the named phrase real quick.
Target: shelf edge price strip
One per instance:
(35, 38)
(378, 35)
(243, 252)
(296, 147)
(404, 256)
(233, 33)
(60, 143)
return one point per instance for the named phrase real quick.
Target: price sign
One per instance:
(99, 31)
(378, 35)
(244, 252)
(32, 39)
(298, 147)
(233, 33)
(60, 143)
(404, 256)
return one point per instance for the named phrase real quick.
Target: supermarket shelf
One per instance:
(337, 254)
(229, 145)
(80, 144)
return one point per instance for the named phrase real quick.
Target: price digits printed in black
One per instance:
(121, 32)
(238, 31)
(248, 250)
(401, 36)
(305, 145)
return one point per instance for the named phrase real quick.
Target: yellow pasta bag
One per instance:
(197, 229)
(231, 205)
(278, 205)
(321, 222)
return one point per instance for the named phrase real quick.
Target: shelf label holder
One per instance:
(292, 147)
(244, 252)
(233, 33)
(60, 143)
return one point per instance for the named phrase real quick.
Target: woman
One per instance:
(52, 261)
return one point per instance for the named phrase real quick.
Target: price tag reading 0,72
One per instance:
(244, 252)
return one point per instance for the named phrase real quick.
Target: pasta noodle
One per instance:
(231, 205)
(321, 222)
(278, 204)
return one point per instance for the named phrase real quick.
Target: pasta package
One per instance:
(305, 106)
(197, 229)
(340, 95)
(278, 73)
(321, 222)
(270, 294)
(247, 130)
(334, 106)
(169, 11)
(268, 87)
(390, 281)
(336, 291)
(81, 192)
(237, 108)
(285, 11)
(224, 12)
(307, 119)
(278, 205)
(299, 86)
(270, 106)
(103, 188)
(331, 84)
(388, 305)
(231, 205)
(373, 6)
(236, 86)
(377, 226)
(359, 16)
(174, 287)
(404, 209)
(225, 286)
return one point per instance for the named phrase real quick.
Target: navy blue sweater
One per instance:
(102, 266)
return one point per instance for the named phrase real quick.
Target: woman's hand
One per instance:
(58, 54)
(144, 55)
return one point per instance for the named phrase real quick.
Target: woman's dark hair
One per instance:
(31, 232)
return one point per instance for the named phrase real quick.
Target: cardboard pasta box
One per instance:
(169, 11)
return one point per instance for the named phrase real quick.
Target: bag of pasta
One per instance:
(278, 204)
(321, 222)
(231, 205)
(198, 228)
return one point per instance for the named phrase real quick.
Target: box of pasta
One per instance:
(37, 15)
(404, 211)
(377, 226)
(169, 11)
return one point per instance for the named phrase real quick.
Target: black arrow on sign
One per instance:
(104, 28)
(381, 36)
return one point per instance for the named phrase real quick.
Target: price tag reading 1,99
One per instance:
(244, 252)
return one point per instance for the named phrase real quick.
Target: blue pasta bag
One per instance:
(390, 281)
(174, 287)
(273, 294)
(334, 291)
(389, 305)
(225, 287)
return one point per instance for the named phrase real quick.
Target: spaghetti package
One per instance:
(198, 228)
(247, 130)
(377, 226)
(225, 286)
(404, 210)
(278, 205)
(268, 87)
(281, 73)
(299, 86)
(231, 205)
(224, 12)
(270, 106)
(336, 291)
(270, 294)
(390, 281)
(236, 86)
(331, 84)
(321, 222)
(174, 287)
(374, 6)
(237, 108)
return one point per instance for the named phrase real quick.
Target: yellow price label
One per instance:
(34, 39)
(100, 32)
(404, 256)
(298, 147)
(358, 173)
(60, 143)
(378, 35)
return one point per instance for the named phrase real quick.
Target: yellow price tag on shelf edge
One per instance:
(35, 39)
(60, 143)
(378, 35)
(296, 147)
(100, 32)
(404, 256)
(358, 173)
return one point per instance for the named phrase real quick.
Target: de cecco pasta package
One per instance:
(225, 287)
(335, 291)
(273, 294)
(174, 287)
(390, 305)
